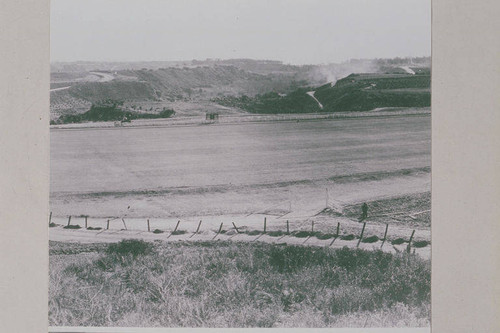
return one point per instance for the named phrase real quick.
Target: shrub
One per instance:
(157, 231)
(371, 239)
(134, 247)
(178, 232)
(422, 243)
(72, 226)
(398, 241)
(348, 237)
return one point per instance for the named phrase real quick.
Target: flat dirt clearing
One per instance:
(219, 171)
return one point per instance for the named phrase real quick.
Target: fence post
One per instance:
(107, 225)
(69, 220)
(86, 221)
(287, 228)
(409, 242)
(176, 226)
(124, 224)
(385, 234)
(218, 232)
(338, 229)
(50, 217)
(235, 227)
(312, 226)
(362, 232)
(149, 229)
(265, 222)
(198, 229)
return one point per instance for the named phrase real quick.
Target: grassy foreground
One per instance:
(227, 284)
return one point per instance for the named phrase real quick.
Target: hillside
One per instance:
(356, 92)
(240, 85)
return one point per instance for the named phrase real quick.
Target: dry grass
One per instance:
(226, 284)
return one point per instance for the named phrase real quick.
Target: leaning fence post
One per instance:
(148, 226)
(385, 234)
(107, 225)
(287, 228)
(218, 232)
(176, 226)
(235, 227)
(86, 221)
(69, 220)
(124, 224)
(265, 221)
(409, 242)
(362, 232)
(50, 217)
(198, 229)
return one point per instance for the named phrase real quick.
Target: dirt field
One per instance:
(240, 172)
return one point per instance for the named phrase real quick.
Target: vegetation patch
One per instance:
(398, 241)
(110, 110)
(224, 284)
(371, 239)
(422, 243)
(72, 226)
(179, 232)
(157, 231)
(276, 233)
(52, 225)
(134, 247)
(94, 228)
(348, 237)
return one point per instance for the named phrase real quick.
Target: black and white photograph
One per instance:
(240, 164)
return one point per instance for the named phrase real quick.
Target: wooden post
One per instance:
(124, 224)
(176, 226)
(218, 232)
(338, 229)
(265, 222)
(50, 218)
(198, 229)
(69, 219)
(409, 242)
(149, 229)
(235, 227)
(107, 225)
(385, 234)
(312, 226)
(86, 222)
(362, 232)
(287, 228)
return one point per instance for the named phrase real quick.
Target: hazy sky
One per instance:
(297, 32)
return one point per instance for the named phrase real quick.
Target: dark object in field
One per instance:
(157, 231)
(348, 237)
(52, 225)
(134, 247)
(371, 239)
(253, 232)
(275, 233)
(179, 232)
(324, 236)
(364, 211)
(72, 226)
(398, 241)
(302, 234)
(92, 228)
(422, 243)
